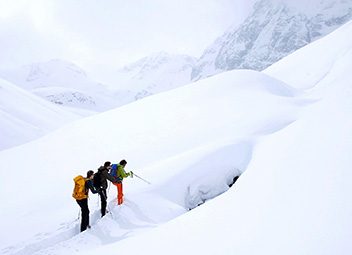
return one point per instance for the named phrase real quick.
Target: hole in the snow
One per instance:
(234, 180)
(199, 193)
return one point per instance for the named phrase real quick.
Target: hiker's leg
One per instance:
(85, 213)
(103, 198)
(119, 193)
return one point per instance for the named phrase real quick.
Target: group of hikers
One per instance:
(97, 183)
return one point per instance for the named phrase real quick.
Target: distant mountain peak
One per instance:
(158, 60)
(61, 82)
(44, 69)
(158, 65)
(275, 29)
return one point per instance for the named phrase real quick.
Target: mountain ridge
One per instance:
(273, 30)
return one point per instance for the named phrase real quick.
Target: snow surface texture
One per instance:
(68, 86)
(292, 148)
(294, 197)
(173, 144)
(275, 29)
(24, 116)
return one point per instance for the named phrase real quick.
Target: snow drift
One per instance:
(190, 142)
(291, 147)
(25, 117)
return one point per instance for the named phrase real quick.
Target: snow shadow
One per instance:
(194, 182)
(119, 223)
(43, 240)
(199, 193)
(223, 168)
(208, 177)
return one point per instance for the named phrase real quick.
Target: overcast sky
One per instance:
(98, 34)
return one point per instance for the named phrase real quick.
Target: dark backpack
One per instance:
(97, 180)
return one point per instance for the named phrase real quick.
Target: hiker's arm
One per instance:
(110, 177)
(130, 173)
(122, 173)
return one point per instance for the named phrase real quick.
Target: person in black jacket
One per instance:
(103, 175)
(83, 203)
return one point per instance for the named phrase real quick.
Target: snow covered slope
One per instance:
(201, 135)
(65, 84)
(291, 147)
(25, 117)
(324, 63)
(153, 74)
(275, 29)
(62, 83)
(294, 197)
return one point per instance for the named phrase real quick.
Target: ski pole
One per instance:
(79, 214)
(110, 211)
(141, 178)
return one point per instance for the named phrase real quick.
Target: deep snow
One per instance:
(24, 116)
(293, 197)
(172, 139)
(291, 147)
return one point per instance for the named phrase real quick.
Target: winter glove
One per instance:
(131, 174)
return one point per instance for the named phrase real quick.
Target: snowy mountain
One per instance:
(164, 137)
(25, 117)
(290, 145)
(275, 29)
(322, 66)
(154, 74)
(62, 83)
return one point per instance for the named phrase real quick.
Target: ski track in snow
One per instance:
(42, 240)
(50, 243)
(229, 158)
(128, 219)
(118, 217)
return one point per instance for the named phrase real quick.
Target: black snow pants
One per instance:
(85, 213)
(103, 199)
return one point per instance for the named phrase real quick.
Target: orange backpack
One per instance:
(79, 191)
